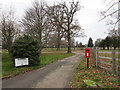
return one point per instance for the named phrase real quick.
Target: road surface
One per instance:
(55, 75)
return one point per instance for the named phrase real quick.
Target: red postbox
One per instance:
(87, 52)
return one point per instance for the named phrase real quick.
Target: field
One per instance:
(103, 78)
(8, 70)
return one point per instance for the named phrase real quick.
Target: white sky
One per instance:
(88, 16)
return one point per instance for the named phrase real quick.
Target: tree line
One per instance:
(112, 16)
(53, 26)
(112, 40)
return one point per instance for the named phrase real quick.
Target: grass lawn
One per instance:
(9, 71)
(103, 78)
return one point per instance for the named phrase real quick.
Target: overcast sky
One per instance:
(88, 16)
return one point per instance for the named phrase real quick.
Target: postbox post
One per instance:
(87, 62)
(87, 55)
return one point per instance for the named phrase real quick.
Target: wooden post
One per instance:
(113, 63)
(87, 62)
(96, 57)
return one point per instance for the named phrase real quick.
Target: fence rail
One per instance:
(108, 66)
(108, 52)
(105, 57)
(104, 52)
(108, 58)
(105, 63)
(105, 68)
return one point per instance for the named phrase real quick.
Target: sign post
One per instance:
(87, 55)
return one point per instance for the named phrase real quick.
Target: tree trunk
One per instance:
(69, 42)
(114, 48)
(40, 42)
(103, 48)
(58, 41)
(58, 46)
(9, 44)
(39, 37)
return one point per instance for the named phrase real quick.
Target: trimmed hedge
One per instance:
(26, 47)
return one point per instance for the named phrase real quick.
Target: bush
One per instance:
(26, 47)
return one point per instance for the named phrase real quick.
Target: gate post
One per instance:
(96, 57)
(113, 62)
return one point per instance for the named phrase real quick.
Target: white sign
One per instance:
(21, 61)
(87, 54)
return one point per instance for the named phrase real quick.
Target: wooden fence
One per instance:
(113, 65)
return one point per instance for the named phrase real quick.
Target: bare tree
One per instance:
(47, 34)
(39, 19)
(10, 29)
(63, 43)
(113, 10)
(69, 26)
(55, 15)
(62, 16)
(97, 42)
(34, 21)
(52, 42)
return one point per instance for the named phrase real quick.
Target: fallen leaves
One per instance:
(102, 77)
(11, 74)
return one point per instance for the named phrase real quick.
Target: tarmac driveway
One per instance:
(55, 75)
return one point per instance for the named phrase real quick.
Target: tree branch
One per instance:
(110, 14)
(111, 6)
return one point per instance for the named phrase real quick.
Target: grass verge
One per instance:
(8, 70)
(103, 78)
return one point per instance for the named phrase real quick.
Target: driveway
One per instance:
(55, 75)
